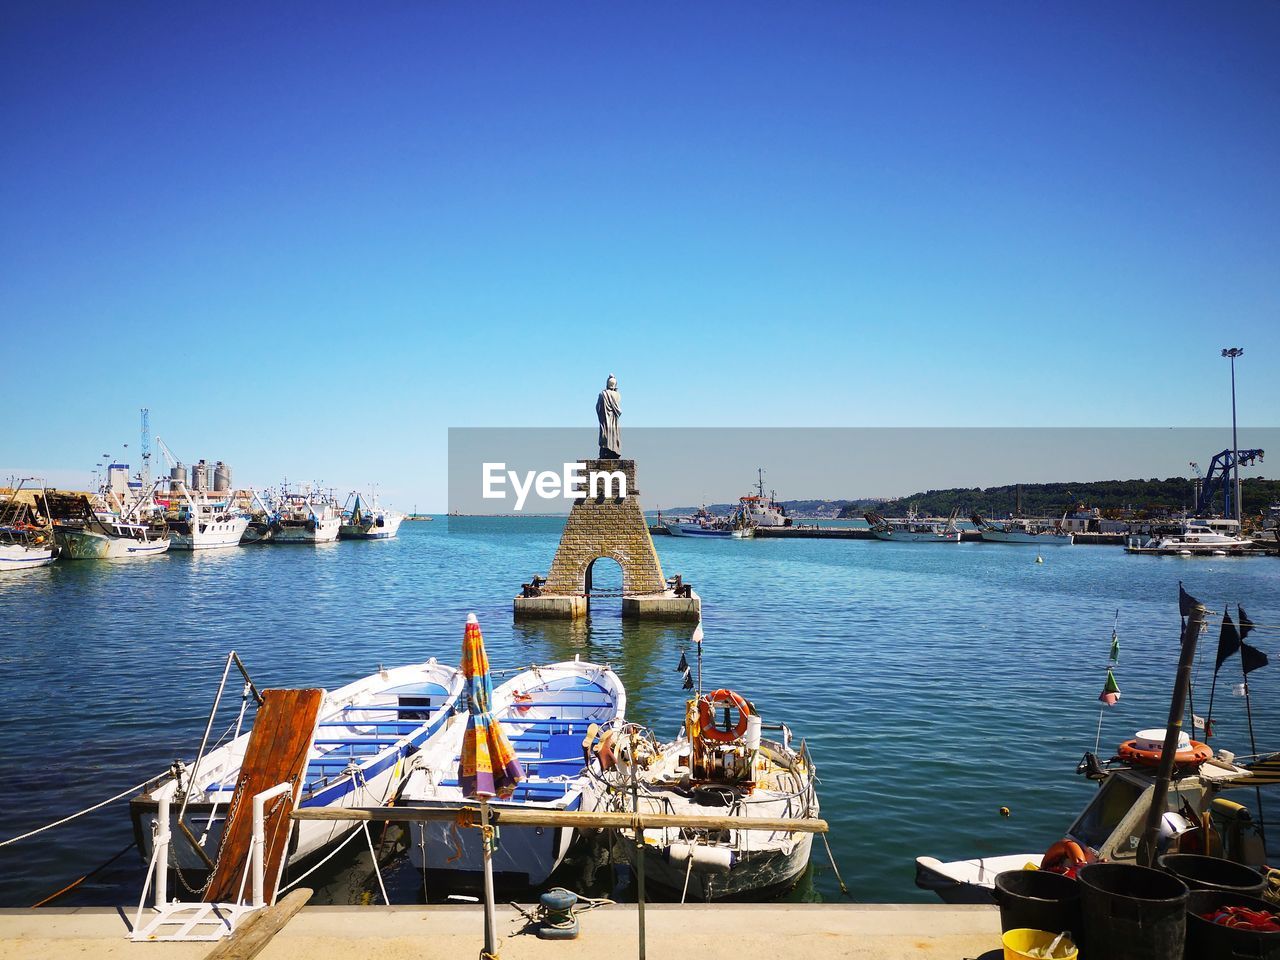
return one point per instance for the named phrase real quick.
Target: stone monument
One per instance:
(605, 522)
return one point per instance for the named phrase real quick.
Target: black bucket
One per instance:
(1212, 941)
(1213, 873)
(1132, 913)
(1038, 900)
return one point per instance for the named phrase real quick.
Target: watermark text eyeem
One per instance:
(571, 483)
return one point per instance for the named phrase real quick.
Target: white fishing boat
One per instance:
(306, 517)
(713, 768)
(368, 520)
(366, 732)
(199, 522)
(83, 532)
(914, 529)
(708, 526)
(1023, 531)
(545, 712)
(1197, 818)
(1195, 537)
(26, 533)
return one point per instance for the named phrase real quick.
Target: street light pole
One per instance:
(1232, 353)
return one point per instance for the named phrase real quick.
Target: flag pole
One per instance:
(1213, 685)
(1112, 659)
(1253, 746)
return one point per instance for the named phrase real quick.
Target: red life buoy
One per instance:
(707, 717)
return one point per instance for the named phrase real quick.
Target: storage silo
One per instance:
(200, 476)
(177, 477)
(221, 477)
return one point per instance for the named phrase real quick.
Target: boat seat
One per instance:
(393, 724)
(530, 704)
(339, 741)
(545, 721)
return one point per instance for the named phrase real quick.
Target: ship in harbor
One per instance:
(201, 522)
(915, 529)
(88, 531)
(759, 510)
(1195, 537)
(368, 520)
(1021, 530)
(26, 533)
(307, 516)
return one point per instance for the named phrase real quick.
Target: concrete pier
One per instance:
(720, 932)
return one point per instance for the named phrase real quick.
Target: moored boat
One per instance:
(1022, 531)
(914, 530)
(1194, 537)
(544, 711)
(1197, 818)
(713, 768)
(366, 732)
(306, 517)
(368, 520)
(85, 533)
(203, 523)
(26, 532)
(708, 526)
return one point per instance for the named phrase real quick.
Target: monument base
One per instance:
(650, 606)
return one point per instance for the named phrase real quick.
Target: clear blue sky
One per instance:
(312, 237)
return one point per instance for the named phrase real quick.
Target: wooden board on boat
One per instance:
(277, 752)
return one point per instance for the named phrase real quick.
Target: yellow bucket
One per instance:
(1019, 943)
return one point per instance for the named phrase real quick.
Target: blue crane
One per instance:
(1219, 475)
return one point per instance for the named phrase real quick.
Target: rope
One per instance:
(94, 872)
(377, 871)
(57, 823)
(834, 868)
(332, 853)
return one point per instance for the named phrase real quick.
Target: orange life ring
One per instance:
(707, 718)
(1195, 755)
(1065, 856)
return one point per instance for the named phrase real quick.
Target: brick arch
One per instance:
(618, 557)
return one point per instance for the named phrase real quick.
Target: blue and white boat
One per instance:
(544, 711)
(705, 524)
(366, 733)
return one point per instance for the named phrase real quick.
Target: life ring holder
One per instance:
(707, 728)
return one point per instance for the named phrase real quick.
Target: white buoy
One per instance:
(1039, 559)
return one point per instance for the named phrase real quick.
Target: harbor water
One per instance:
(934, 683)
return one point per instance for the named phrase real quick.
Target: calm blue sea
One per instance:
(934, 683)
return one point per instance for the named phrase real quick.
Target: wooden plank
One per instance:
(277, 752)
(510, 816)
(251, 937)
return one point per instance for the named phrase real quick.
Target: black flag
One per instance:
(688, 680)
(1246, 625)
(684, 664)
(1185, 601)
(1251, 658)
(1228, 641)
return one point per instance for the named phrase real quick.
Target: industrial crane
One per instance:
(1220, 474)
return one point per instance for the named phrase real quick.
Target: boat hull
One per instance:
(17, 556)
(1022, 537)
(968, 881)
(757, 874)
(319, 531)
(215, 535)
(390, 526)
(910, 536)
(694, 530)
(88, 545)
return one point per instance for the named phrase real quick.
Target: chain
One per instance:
(231, 809)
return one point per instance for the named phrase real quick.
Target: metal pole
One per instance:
(486, 833)
(160, 841)
(639, 837)
(1232, 353)
(1150, 834)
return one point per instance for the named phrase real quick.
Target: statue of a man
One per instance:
(608, 409)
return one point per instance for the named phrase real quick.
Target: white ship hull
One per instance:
(915, 536)
(1022, 536)
(373, 531)
(211, 535)
(17, 556)
(88, 545)
(317, 531)
(713, 533)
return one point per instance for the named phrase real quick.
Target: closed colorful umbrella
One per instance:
(487, 766)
